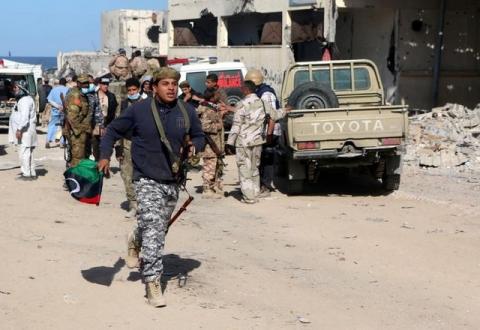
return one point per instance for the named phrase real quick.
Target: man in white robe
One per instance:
(22, 129)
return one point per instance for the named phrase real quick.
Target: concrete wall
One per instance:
(366, 33)
(94, 63)
(271, 59)
(364, 29)
(128, 28)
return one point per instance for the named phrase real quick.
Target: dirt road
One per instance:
(343, 257)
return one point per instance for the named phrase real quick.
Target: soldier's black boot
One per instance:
(154, 293)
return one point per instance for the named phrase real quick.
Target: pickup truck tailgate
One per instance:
(347, 123)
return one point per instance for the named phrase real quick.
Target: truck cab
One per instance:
(340, 119)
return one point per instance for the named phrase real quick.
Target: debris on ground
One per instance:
(448, 137)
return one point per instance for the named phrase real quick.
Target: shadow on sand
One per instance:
(174, 267)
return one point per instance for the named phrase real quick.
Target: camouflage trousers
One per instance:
(248, 161)
(212, 174)
(78, 147)
(156, 202)
(126, 171)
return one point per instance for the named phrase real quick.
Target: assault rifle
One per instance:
(216, 150)
(181, 177)
(182, 209)
(66, 131)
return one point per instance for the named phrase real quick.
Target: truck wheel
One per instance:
(391, 182)
(313, 95)
(295, 187)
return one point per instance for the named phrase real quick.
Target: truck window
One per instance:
(197, 80)
(32, 88)
(342, 79)
(229, 78)
(362, 79)
(302, 76)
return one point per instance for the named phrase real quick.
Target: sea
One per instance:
(47, 62)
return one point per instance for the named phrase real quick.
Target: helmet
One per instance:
(122, 51)
(254, 75)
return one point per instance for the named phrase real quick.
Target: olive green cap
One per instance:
(165, 73)
(83, 78)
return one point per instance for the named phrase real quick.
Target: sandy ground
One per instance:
(345, 256)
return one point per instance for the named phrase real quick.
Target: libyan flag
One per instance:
(85, 182)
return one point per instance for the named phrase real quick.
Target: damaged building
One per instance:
(124, 28)
(427, 51)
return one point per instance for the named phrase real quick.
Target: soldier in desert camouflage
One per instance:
(212, 124)
(248, 134)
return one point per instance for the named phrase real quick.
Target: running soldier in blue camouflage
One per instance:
(156, 202)
(156, 186)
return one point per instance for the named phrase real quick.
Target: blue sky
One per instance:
(45, 27)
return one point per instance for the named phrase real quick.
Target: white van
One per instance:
(230, 77)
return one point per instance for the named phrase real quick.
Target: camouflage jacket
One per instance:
(97, 114)
(212, 124)
(78, 112)
(248, 122)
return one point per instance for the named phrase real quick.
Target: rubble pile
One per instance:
(447, 137)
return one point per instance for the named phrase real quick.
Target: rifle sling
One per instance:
(174, 159)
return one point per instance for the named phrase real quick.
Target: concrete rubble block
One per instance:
(456, 111)
(446, 138)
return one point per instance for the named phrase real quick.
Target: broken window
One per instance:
(153, 33)
(196, 32)
(251, 29)
(308, 42)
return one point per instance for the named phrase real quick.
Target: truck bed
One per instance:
(362, 126)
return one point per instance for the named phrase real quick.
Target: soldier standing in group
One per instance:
(267, 94)
(119, 66)
(78, 116)
(92, 145)
(152, 63)
(212, 124)
(138, 64)
(248, 134)
(211, 82)
(123, 149)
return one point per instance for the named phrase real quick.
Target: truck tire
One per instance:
(295, 187)
(391, 182)
(313, 95)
